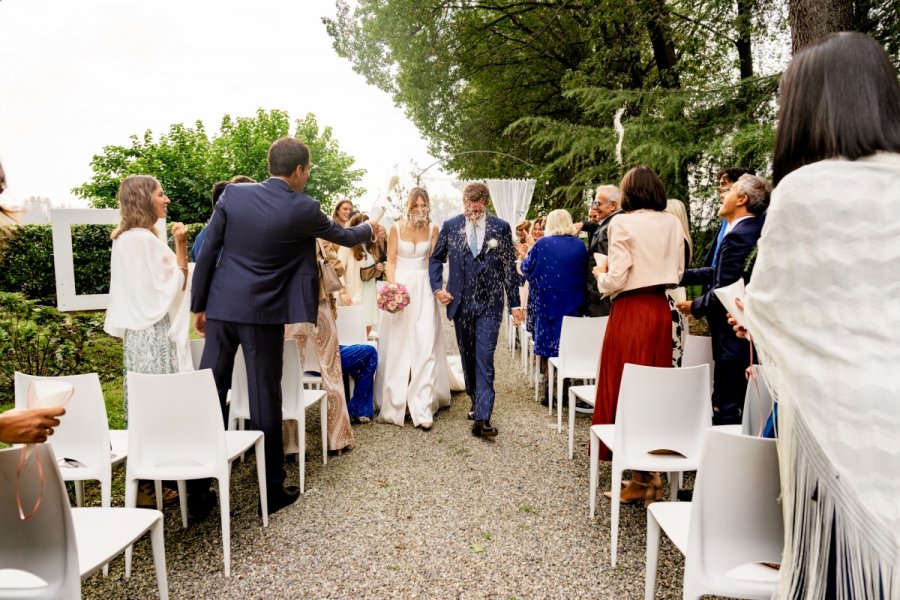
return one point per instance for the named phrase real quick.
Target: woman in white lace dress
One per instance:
(412, 363)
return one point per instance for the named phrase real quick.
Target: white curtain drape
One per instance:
(510, 197)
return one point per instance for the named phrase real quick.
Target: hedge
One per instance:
(26, 259)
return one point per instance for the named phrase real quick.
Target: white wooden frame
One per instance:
(62, 219)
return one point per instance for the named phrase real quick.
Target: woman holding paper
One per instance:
(646, 256)
(822, 309)
(147, 304)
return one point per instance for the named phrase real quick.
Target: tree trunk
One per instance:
(744, 27)
(661, 42)
(813, 19)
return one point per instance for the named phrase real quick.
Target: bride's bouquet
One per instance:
(393, 298)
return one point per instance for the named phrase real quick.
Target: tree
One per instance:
(187, 162)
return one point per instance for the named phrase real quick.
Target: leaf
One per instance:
(477, 548)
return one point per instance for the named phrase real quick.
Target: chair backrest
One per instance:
(174, 420)
(310, 358)
(698, 351)
(239, 399)
(292, 395)
(351, 325)
(580, 343)
(661, 408)
(197, 352)
(38, 556)
(736, 518)
(83, 432)
(758, 403)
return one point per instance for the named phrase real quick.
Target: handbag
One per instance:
(367, 273)
(330, 281)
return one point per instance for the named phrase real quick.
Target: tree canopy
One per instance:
(544, 81)
(188, 162)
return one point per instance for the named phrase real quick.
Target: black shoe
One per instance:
(684, 495)
(471, 415)
(281, 498)
(484, 429)
(583, 407)
(200, 505)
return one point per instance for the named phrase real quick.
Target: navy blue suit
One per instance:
(731, 353)
(477, 284)
(258, 272)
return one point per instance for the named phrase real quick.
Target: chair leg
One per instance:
(158, 544)
(571, 424)
(594, 467)
(183, 502)
(550, 375)
(131, 491)
(261, 477)
(652, 557)
(674, 485)
(559, 401)
(301, 449)
(323, 421)
(225, 508)
(614, 518)
(79, 492)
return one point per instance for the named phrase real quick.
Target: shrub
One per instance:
(39, 340)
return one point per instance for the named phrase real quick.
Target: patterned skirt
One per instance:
(148, 351)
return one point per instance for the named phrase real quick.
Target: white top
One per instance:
(145, 285)
(646, 248)
(823, 308)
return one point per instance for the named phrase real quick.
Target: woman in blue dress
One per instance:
(556, 271)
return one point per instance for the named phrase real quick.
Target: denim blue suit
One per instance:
(477, 284)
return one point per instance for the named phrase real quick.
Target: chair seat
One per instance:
(585, 393)
(238, 442)
(103, 533)
(675, 519)
(118, 441)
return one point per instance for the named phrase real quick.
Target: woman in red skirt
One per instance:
(646, 255)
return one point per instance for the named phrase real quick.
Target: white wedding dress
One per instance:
(412, 363)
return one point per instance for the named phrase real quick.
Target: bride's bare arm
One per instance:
(391, 263)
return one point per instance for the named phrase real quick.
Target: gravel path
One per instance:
(413, 514)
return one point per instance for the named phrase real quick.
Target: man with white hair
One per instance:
(607, 203)
(743, 208)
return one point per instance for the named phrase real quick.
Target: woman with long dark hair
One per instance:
(646, 256)
(823, 309)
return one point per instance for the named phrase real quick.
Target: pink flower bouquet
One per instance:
(392, 298)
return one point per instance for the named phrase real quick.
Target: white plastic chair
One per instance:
(175, 432)
(580, 342)
(296, 400)
(658, 409)
(351, 325)
(83, 434)
(312, 371)
(698, 351)
(197, 352)
(47, 555)
(588, 395)
(732, 527)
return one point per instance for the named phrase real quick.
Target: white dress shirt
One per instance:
(480, 226)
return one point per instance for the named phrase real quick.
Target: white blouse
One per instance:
(145, 285)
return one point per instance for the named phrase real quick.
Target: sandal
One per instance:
(147, 496)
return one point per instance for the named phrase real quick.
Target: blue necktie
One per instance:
(719, 242)
(473, 241)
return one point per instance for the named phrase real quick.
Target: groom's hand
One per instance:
(518, 316)
(443, 297)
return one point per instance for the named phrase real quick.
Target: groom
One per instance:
(482, 266)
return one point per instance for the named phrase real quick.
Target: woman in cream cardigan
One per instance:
(360, 262)
(147, 307)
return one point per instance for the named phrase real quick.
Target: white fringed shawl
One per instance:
(823, 309)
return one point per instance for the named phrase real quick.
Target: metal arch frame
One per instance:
(442, 160)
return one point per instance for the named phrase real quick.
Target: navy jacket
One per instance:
(267, 272)
(731, 264)
(477, 282)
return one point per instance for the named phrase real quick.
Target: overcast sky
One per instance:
(78, 75)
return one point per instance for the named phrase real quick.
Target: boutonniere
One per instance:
(491, 244)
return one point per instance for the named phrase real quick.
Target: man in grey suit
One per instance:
(607, 203)
(257, 272)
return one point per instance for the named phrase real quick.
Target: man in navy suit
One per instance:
(257, 272)
(743, 208)
(482, 260)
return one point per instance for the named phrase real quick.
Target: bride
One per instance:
(412, 364)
